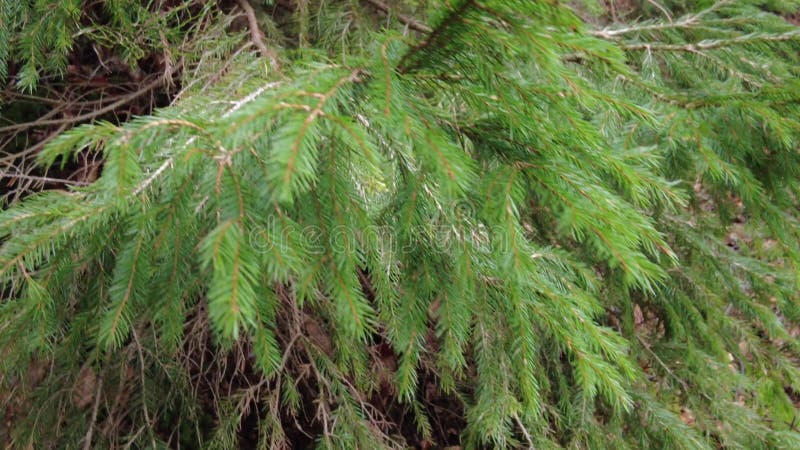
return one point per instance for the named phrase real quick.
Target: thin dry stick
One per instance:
(22, 176)
(524, 432)
(87, 444)
(133, 438)
(669, 371)
(661, 8)
(98, 112)
(408, 21)
(144, 392)
(8, 160)
(256, 35)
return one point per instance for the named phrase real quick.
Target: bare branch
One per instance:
(256, 35)
(87, 442)
(96, 113)
(22, 176)
(661, 8)
(408, 21)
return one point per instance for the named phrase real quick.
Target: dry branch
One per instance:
(257, 36)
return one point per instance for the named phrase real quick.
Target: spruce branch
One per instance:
(432, 39)
(343, 240)
(687, 21)
(610, 33)
(711, 44)
(236, 106)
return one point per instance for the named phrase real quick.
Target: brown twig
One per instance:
(660, 362)
(22, 176)
(148, 422)
(408, 21)
(256, 35)
(87, 443)
(98, 112)
(32, 150)
(524, 431)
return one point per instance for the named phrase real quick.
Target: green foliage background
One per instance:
(570, 229)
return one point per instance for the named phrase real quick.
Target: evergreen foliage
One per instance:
(38, 35)
(525, 215)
